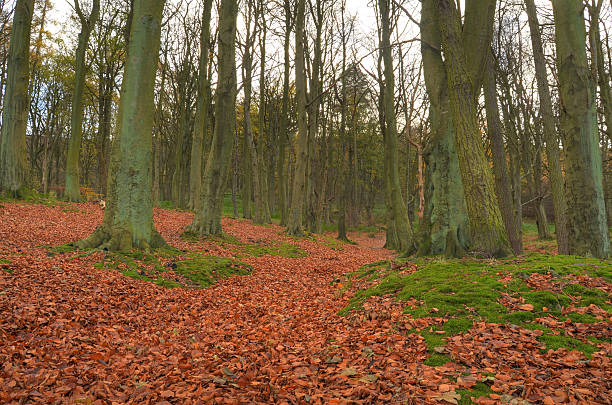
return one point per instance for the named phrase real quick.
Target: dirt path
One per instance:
(70, 332)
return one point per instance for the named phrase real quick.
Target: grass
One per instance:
(466, 290)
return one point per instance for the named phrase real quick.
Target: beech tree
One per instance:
(208, 216)
(587, 224)
(73, 184)
(13, 160)
(128, 218)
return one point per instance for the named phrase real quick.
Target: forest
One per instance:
(305, 201)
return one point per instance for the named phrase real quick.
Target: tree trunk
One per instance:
(13, 161)
(550, 134)
(208, 217)
(445, 225)
(588, 232)
(298, 194)
(282, 134)
(267, 216)
(401, 223)
(500, 168)
(72, 192)
(488, 234)
(128, 218)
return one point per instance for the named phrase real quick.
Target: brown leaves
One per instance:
(71, 333)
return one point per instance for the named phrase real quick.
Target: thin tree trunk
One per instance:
(72, 192)
(200, 126)
(294, 223)
(208, 217)
(550, 134)
(500, 169)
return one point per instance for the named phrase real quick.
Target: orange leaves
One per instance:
(70, 332)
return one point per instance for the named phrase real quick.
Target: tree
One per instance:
(13, 164)
(200, 126)
(73, 188)
(587, 226)
(465, 50)
(550, 134)
(294, 223)
(403, 239)
(128, 218)
(445, 224)
(208, 217)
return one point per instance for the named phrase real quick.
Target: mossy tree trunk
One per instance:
(298, 194)
(128, 218)
(444, 228)
(465, 50)
(587, 228)
(13, 161)
(208, 217)
(553, 155)
(72, 191)
(397, 206)
(201, 124)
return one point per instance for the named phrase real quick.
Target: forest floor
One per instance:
(290, 320)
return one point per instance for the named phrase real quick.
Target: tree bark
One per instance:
(500, 168)
(397, 206)
(13, 160)
(294, 223)
(445, 227)
(588, 232)
(550, 134)
(208, 217)
(201, 124)
(464, 68)
(72, 192)
(128, 218)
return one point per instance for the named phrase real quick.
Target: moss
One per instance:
(552, 301)
(205, 270)
(582, 318)
(436, 360)
(196, 270)
(468, 290)
(4, 267)
(477, 391)
(588, 296)
(554, 342)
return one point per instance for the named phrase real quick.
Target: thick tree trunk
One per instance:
(13, 161)
(488, 233)
(128, 218)
(294, 223)
(72, 192)
(208, 217)
(200, 126)
(444, 228)
(500, 168)
(550, 134)
(588, 232)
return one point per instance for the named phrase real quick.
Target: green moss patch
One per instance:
(462, 291)
(171, 269)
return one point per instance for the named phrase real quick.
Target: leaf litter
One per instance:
(74, 333)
